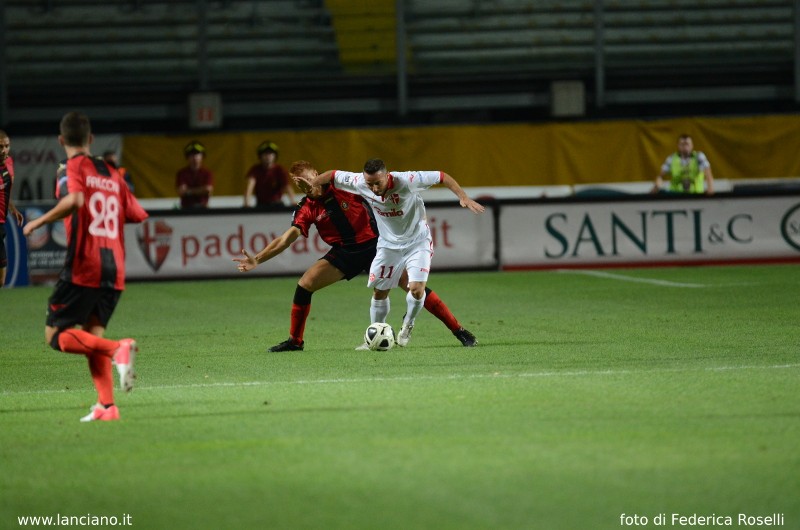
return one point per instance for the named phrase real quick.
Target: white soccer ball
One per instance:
(379, 336)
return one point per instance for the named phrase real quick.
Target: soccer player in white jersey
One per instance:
(404, 240)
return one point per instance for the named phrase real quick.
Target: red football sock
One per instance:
(440, 310)
(79, 341)
(100, 366)
(298, 324)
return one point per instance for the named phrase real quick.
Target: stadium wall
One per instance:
(549, 154)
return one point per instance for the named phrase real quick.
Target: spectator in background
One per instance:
(268, 179)
(6, 204)
(194, 182)
(687, 170)
(110, 156)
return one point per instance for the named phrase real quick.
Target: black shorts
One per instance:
(353, 260)
(3, 255)
(72, 305)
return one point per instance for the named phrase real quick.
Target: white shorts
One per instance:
(388, 265)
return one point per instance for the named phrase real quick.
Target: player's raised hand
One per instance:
(247, 263)
(303, 183)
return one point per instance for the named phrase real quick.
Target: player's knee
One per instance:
(53, 340)
(378, 294)
(417, 291)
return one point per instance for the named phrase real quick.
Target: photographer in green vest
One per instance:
(686, 171)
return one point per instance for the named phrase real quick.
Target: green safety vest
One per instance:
(688, 178)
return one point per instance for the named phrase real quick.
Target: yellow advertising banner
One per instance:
(486, 155)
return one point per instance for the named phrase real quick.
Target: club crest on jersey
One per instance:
(394, 198)
(154, 237)
(344, 205)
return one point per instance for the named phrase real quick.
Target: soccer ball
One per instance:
(379, 336)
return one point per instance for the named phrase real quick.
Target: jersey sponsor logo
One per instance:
(154, 238)
(390, 213)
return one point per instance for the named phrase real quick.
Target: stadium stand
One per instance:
(143, 57)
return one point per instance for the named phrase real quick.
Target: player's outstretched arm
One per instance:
(275, 247)
(451, 184)
(68, 204)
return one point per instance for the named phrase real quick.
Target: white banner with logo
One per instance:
(702, 230)
(203, 245)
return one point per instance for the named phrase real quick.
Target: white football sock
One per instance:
(413, 307)
(379, 310)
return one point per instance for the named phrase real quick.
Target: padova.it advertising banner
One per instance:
(700, 230)
(203, 245)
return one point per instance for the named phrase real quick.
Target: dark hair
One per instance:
(75, 129)
(685, 136)
(374, 165)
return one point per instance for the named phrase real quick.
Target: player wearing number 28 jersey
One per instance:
(95, 235)
(95, 203)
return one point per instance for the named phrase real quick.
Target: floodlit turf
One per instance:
(591, 395)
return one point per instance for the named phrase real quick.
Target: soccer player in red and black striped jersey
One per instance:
(344, 222)
(95, 203)
(6, 204)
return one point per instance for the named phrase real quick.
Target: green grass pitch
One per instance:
(592, 394)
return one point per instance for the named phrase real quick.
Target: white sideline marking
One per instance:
(493, 375)
(624, 278)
